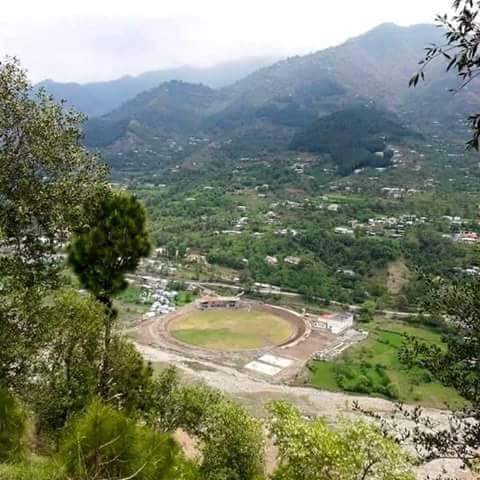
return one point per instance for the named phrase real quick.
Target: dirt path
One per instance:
(257, 391)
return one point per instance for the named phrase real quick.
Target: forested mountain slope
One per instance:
(270, 108)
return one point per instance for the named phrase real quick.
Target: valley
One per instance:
(320, 182)
(266, 268)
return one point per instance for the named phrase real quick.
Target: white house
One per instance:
(334, 322)
(293, 260)
(272, 261)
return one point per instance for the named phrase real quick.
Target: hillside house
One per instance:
(196, 257)
(293, 260)
(344, 231)
(466, 237)
(272, 261)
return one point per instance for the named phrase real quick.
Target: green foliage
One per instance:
(367, 311)
(132, 294)
(365, 378)
(184, 298)
(353, 137)
(309, 449)
(431, 253)
(167, 414)
(13, 427)
(103, 254)
(23, 333)
(231, 439)
(103, 443)
(192, 404)
(130, 379)
(47, 179)
(458, 300)
(232, 443)
(46, 175)
(69, 368)
(38, 469)
(380, 366)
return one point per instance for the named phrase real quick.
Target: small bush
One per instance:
(427, 377)
(13, 427)
(40, 469)
(393, 391)
(103, 443)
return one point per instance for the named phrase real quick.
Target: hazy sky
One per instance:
(84, 40)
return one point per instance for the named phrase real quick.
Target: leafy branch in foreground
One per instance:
(48, 185)
(311, 449)
(458, 366)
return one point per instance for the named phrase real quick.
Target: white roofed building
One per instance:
(334, 322)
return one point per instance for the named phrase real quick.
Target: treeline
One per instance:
(355, 137)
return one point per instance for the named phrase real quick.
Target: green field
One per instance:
(231, 329)
(373, 368)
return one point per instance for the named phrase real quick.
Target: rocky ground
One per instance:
(254, 392)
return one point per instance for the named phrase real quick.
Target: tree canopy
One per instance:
(48, 180)
(101, 255)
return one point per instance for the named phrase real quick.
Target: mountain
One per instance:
(354, 138)
(298, 103)
(98, 98)
(174, 107)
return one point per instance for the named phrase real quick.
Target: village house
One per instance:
(196, 257)
(344, 231)
(272, 261)
(293, 260)
(266, 288)
(466, 237)
(334, 322)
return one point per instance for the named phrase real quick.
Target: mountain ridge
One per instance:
(99, 98)
(266, 109)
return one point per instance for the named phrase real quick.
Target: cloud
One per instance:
(103, 39)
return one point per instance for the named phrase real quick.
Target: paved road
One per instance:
(283, 293)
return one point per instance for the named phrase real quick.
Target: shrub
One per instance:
(40, 469)
(232, 439)
(393, 391)
(131, 378)
(427, 377)
(233, 443)
(103, 443)
(13, 426)
(363, 385)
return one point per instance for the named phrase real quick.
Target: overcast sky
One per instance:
(85, 40)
